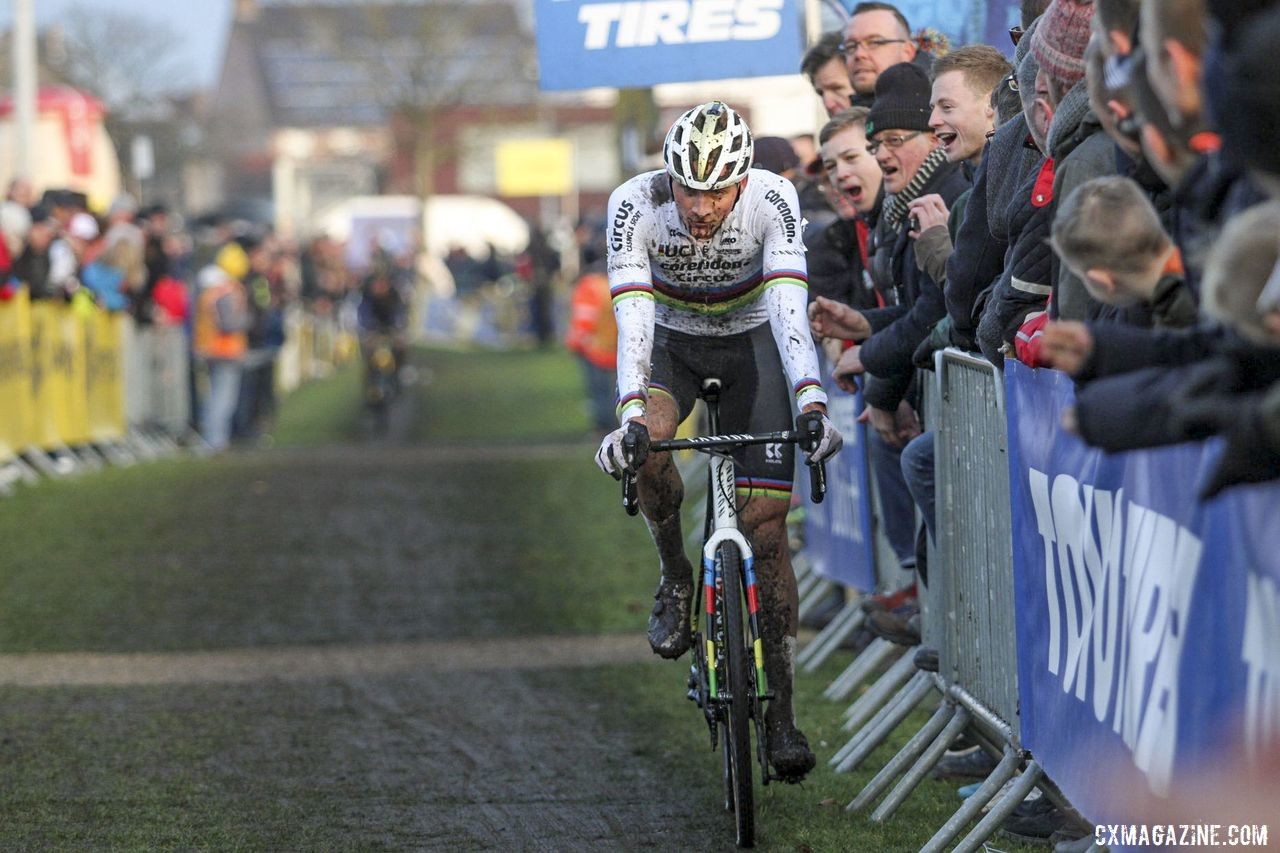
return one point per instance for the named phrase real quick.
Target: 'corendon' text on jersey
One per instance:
(643, 23)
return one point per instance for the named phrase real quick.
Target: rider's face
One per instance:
(704, 211)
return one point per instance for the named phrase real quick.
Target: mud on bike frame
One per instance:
(730, 693)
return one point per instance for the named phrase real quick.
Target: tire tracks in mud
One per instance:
(458, 742)
(302, 663)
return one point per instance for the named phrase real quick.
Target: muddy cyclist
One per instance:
(708, 278)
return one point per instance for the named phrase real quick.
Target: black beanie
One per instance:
(902, 100)
(1249, 112)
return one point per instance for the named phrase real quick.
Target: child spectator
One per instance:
(1108, 233)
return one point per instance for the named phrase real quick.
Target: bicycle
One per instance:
(726, 678)
(381, 385)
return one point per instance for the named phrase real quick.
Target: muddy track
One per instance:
(302, 663)
(378, 700)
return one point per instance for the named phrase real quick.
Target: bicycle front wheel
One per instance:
(737, 688)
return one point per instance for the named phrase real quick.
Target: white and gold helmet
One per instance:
(708, 147)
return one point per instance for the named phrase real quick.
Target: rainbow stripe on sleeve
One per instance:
(786, 277)
(630, 399)
(807, 384)
(631, 290)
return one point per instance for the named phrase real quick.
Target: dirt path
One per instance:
(368, 685)
(301, 663)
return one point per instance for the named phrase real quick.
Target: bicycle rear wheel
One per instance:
(737, 685)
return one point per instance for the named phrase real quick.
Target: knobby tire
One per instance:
(737, 743)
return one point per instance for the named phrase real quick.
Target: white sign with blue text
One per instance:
(630, 43)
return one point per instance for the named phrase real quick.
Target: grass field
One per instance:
(248, 551)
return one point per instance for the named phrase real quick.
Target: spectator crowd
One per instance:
(224, 284)
(1107, 204)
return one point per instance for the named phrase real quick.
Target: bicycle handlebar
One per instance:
(706, 443)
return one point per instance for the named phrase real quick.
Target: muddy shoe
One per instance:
(897, 626)
(789, 752)
(669, 634)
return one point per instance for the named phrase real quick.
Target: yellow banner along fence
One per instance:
(74, 374)
(61, 377)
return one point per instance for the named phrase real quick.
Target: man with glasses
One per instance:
(876, 37)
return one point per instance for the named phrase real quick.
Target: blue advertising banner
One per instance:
(627, 43)
(838, 538)
(1148, 622)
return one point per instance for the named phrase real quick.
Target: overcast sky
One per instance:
(202, 24)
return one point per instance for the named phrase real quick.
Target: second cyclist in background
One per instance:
(382, 315)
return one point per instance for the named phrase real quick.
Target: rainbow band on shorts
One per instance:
(761, 487)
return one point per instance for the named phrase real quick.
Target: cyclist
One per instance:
(707, 272)
(382, 312)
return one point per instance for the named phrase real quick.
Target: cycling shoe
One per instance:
(669, 634)
(789, 752)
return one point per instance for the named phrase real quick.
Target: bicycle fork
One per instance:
(726, 530)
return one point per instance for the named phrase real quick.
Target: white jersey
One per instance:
(751, 271)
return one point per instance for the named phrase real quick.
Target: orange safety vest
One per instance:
(210, 341)
(593, 332)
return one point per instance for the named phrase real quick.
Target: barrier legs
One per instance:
(848, 620)
(117, 453)
(863, 709)
(888, 719)
(863, 665)
(1001, 810)
(990, 786)
(88, 459)
(19, 469)
(931, 756)
(812, 589)
(905, 757)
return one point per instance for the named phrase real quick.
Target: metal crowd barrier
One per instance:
(814, 589)
(898, 691)
(968, 616)
(975, 539)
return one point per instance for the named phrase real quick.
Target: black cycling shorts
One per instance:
(754, 397)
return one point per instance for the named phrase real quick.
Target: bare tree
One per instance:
(132, 63)
(123, 59)
(427, 60)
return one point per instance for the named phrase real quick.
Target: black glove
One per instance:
(623, 449)
(823, 439)
(939, 338)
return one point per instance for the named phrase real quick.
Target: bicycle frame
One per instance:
(726, 580)
(722, 526)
